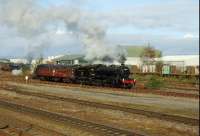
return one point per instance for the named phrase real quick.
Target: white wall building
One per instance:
(188, 60)
(24, 61)
(133, 61)
(183, 60)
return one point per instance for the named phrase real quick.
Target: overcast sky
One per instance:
(169, 25)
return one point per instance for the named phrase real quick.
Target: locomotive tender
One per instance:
(100, 75)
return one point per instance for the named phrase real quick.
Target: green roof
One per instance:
(134, 51)
(70, 57)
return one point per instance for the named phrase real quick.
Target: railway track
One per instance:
(86, 125)
(133, 90)
(13, 131)
(162, 116)
(10, 126)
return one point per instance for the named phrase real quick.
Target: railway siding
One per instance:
(98, 128)
(162, 116)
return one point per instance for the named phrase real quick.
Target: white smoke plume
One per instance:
(35, 22)
(16, 72)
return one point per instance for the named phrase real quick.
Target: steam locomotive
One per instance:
(99, 75)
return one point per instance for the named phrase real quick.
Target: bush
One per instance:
(26, 69)
(154, 82)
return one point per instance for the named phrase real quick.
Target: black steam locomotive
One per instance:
(100, 75)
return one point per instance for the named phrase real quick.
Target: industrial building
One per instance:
(70, 60)
(133, 58)
(178, 63)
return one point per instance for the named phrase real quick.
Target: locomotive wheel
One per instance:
(66, 80)
(42, 78)
(115, 84)
(98, 83)
(125, 86)
(57, 79)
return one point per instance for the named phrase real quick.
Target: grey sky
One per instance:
(28, 25)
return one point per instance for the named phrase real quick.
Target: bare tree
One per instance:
(149, 54)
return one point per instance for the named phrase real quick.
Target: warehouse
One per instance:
(188, 60)
(70, 60)
(133, 58)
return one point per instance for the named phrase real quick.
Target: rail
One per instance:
(94, 127)
(162, 116)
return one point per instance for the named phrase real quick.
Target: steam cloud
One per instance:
(16, 72)
(35, 22)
